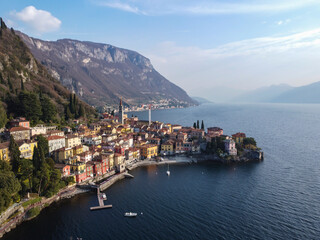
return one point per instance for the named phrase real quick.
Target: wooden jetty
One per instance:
(101, 202)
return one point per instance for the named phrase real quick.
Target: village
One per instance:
(115, 143)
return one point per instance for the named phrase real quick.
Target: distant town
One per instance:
(84, 154)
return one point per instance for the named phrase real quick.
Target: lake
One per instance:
(278, 198)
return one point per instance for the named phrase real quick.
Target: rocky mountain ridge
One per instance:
(102, 74)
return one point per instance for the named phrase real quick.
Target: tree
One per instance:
(68, 113)
(22, 85)
(194, 125)
(197, 124)
(14, 154)
(48, 109)
(249, 141)
(30, 106)
(26, 171)
(1, 79)
(202, 125)
(43, 144)
(3, 25)
(36, 160)
(3, 117)
(10, 85)
(82, 112)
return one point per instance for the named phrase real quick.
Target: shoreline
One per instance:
(74, 190)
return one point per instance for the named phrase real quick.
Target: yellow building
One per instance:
(62, 154)
(27, 148)
(72, 141)
(149, 151)
(167, 148)
(77, 150)
(4, 151)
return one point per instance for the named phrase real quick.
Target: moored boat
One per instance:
(130, 214)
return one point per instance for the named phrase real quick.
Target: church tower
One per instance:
(121, 112)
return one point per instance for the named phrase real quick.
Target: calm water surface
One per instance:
(276, 199)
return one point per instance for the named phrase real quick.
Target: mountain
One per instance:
(304, 94)
(102, 74)
(201, 100)
(26, 87)
(264, 94)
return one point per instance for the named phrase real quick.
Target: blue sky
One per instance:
(208, 47)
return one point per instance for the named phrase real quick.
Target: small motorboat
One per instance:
(104, 196)
(130, 214)
(168, 171)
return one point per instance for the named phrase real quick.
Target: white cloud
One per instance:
(40, 21)
(205, 7)
(246, 64)
(122, 6)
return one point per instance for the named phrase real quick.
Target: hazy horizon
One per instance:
(205, 47)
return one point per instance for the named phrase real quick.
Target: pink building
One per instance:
(230, 147)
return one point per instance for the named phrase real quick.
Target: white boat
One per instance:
(130, 214)
(104, 196)
(168, 172)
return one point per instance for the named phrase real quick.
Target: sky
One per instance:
(211, 48)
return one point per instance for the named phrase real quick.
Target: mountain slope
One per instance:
(305, 94)
(264, 94)
(22, 76)
(101, 73)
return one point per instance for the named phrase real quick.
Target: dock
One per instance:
(101, 202)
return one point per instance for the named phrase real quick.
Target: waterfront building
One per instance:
(119, 162)
(215, 131)
(167, 148)
(64, 169)
(197, 133)
(238, 137)
(20, 133)
(79, 170)
(230, 147)
(148, 151)
(179, 146)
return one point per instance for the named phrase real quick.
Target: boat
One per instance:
(104, 196)
(168, 172)
(130, 214)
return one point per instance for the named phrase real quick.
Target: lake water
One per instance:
(278, 198)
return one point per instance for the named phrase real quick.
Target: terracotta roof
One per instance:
(239, 135)
(4, 145)
(54, 137)
(16, 129)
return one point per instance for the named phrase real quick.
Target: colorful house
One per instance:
(63, 154)
(238, 137)
(72, 140)
(20, 122)
(64, 169)
(148, 151)
(79, 170)
(26, 148)
(20, 133)
(56, 142)
(4, 151)
(230, 147)
(167, 148)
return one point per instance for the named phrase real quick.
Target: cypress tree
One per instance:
(202, 125)
(3, 25)
(14, 154)
(194, 125)
(82, 112)
(22, 85)
(197, 124)
(36, 159)
(10, 85)
(3, 117)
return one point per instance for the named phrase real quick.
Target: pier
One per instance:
(101, 202)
